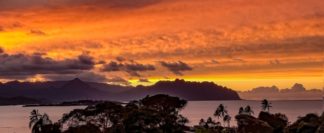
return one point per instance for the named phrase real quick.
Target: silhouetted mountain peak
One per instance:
(191, 90)
(180, 83)
(76, 84)
(77, 89)
(76, 80)
(14, 82)
(298, 87)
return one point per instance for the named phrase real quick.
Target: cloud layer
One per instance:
(132, 68)
(176, 67)
(230, 41)
(22, 65)
(296, 92)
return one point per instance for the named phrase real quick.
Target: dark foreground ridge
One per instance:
(76, 89)
(20, 101)
(160, 114)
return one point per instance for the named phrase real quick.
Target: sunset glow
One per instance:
(240, 44)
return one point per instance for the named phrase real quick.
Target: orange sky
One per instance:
(241, 44)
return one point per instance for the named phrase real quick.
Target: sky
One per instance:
(241, 44)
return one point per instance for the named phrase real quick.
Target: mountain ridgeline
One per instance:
(76, 89)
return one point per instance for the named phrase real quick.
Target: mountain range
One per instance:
(296, 92)
(76, 89)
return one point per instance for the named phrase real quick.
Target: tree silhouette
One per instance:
(202, 123)
(159, 113)
(227, 119)
(103, 115)
(241, 110)
(220, 111)
(265, 104)
(38, 122)
(211, 123)
(248, 110)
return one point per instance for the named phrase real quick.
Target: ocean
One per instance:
(15, 119)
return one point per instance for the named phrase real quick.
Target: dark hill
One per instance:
(20, 101)
(76, 89)
(185, 89)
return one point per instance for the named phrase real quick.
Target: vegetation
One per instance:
(248, 110)
(221, 112)
(266, 105)
(41, 123)
(160, 114)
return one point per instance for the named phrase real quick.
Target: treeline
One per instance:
(160, 114)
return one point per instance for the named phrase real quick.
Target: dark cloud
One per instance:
(127, 4)
(176, 67)
(86, 59)
(37, 32)
(288, 46)
(118, 80)
(22, 65)
(101, 62)
(1, 28)
(282, 67)
(112, 66)
(132, 68)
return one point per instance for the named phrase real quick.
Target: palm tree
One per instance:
(202, 123)
(248, 110)
(266, 105)
(38, 121)
(220, 111)
(182, 120)
(211, 123)
(227, 119)
(241, 110)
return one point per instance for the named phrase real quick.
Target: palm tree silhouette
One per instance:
(227, 119)
(220, 111)
(241, 110)
(38, 121)
(202, 123)
(211, 123)
(266, 105)
(248, 110)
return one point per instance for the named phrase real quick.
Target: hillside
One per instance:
(77, 89)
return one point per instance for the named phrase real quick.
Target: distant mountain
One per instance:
(76, 89)
(184, 89)
(296, 92)
(52, 90)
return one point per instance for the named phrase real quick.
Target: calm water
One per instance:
(14, 119)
